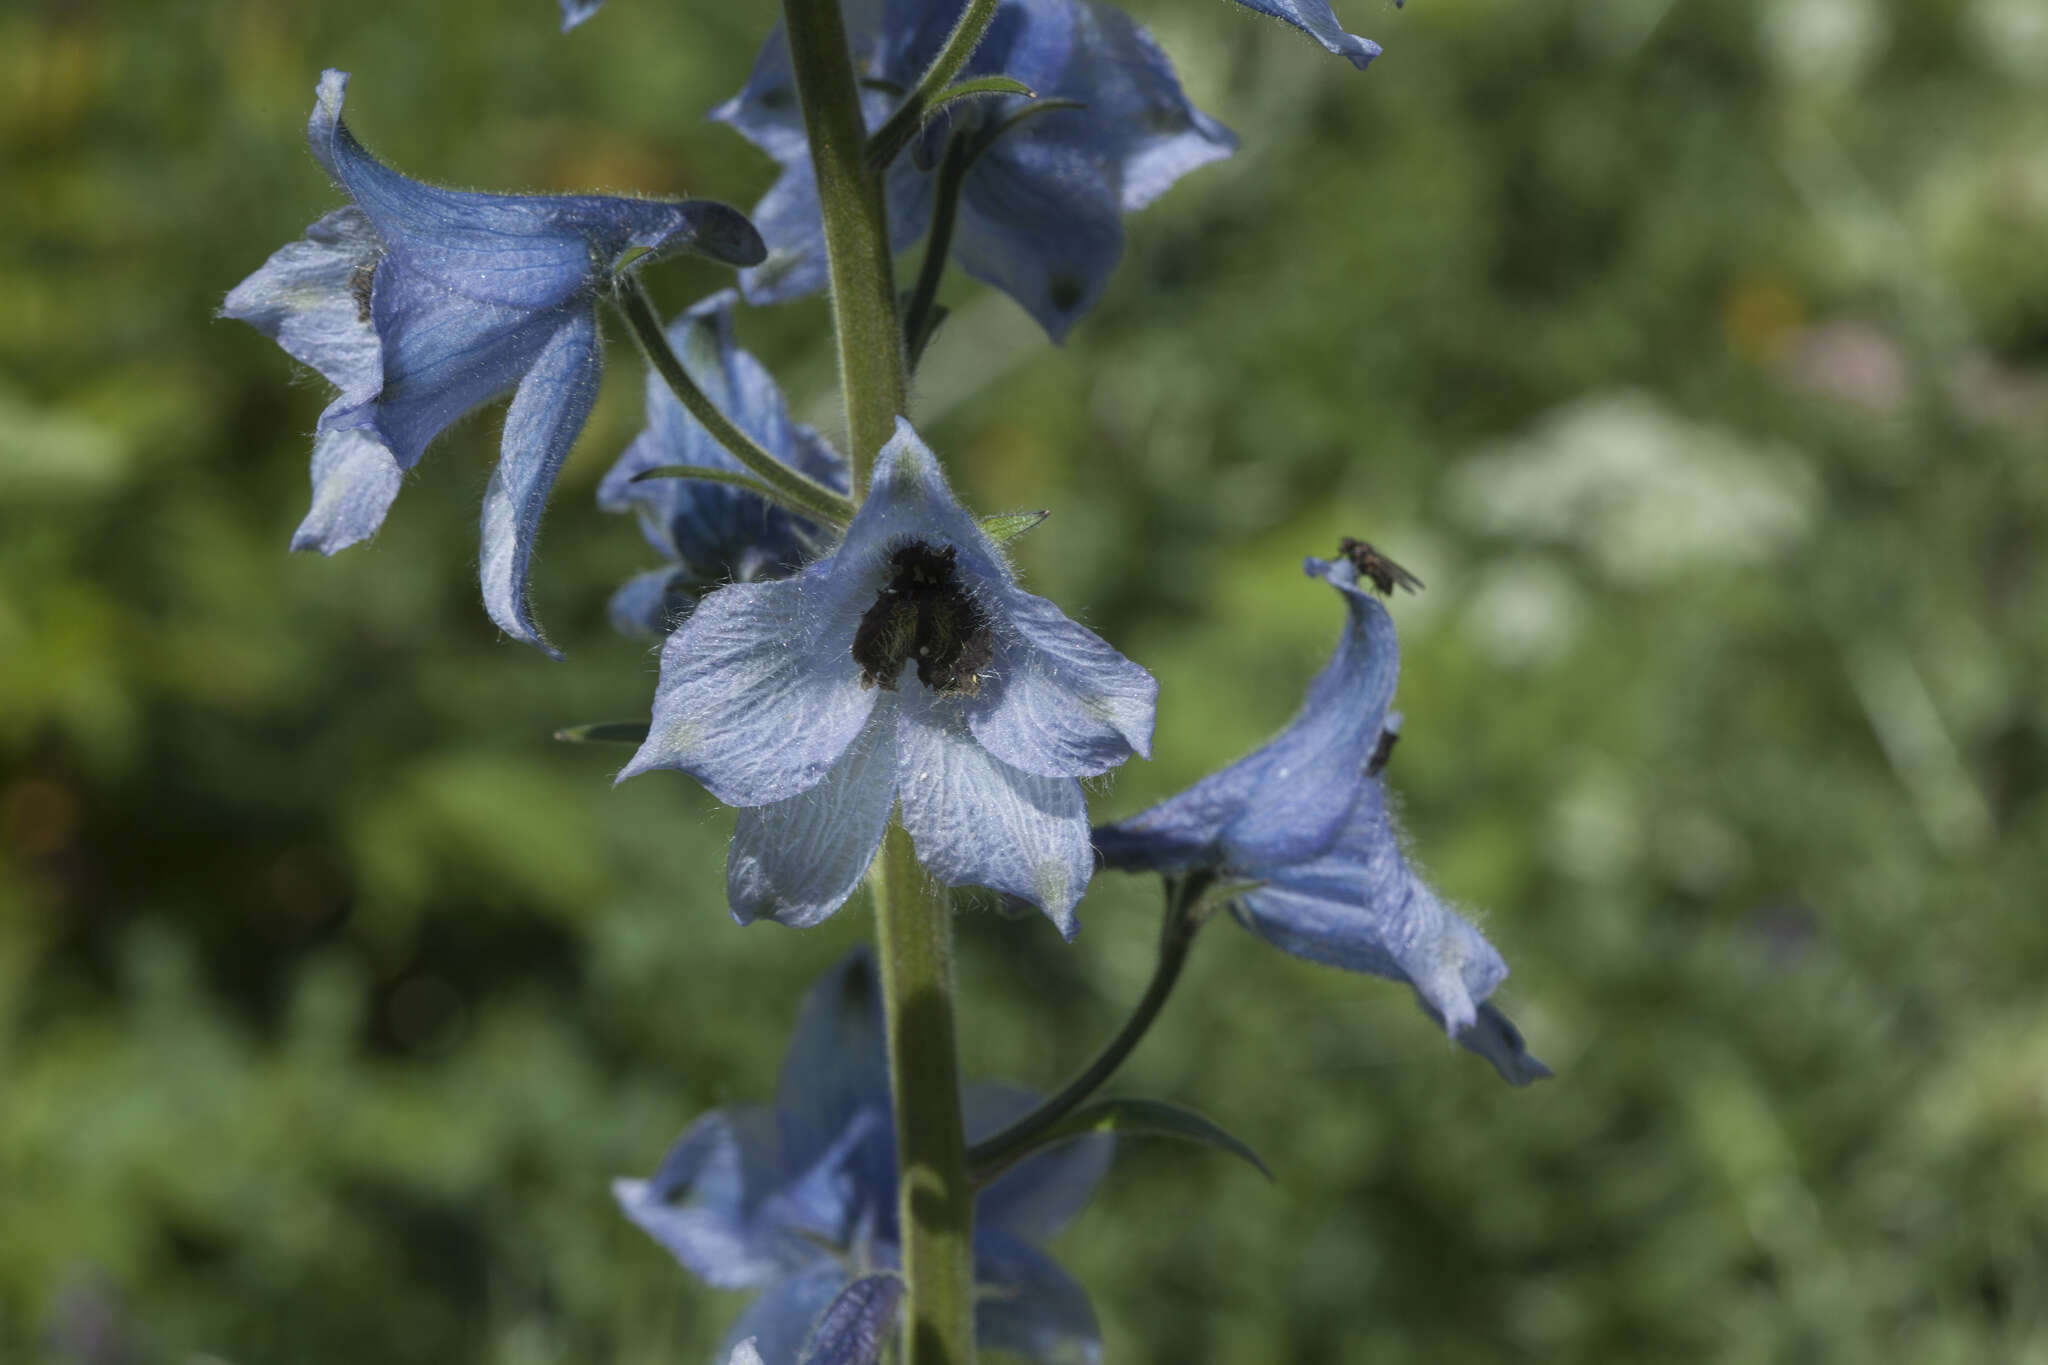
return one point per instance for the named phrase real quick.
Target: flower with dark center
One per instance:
(906, 666)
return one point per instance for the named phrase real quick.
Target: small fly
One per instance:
(1382, 572)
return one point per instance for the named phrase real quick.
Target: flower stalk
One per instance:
(778, 481)
(872, 374)
(913, 924)
(893, 136)
(1176, 935)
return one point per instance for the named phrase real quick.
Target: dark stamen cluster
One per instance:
(923, 613)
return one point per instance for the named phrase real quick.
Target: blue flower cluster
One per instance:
(830, 668)
(798, 1202)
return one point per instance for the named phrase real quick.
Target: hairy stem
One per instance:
(1176, 935)
(892, 137)
(871, 369)
(785, 485)
(936, 1210)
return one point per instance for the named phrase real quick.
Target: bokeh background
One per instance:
(1694, 352)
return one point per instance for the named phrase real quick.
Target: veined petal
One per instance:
(797, 860)
(857, 1324)
(1361, 907)
(1143, 122)
(1309, 776)
(1061, 702)
(1286, 802)
(1025, 1303)
(547, 413)
(312, 298)
(355, 480)
(759, 692)
(704, 1202)
(977, 821)
(1039, 1195)
(780, 1321)
(443, 354)
(1315, 18)
(1040, 219)
(527, 251)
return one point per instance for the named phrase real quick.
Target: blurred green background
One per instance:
(1695, 353)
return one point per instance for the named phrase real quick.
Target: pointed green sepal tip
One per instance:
(605, 732)
(1007, 526)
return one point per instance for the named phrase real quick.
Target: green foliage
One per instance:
(1696, 355)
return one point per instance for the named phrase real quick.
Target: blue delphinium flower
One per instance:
(467, 295)
(1041, 211)
(575, 12)
(799, 1200)
(1306, 819)
(714, 533)
(1318, 21)
(906, 665)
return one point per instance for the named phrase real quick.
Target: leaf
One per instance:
(605, 732)
(1004, 527)
(979, 87)
(1132, 1118)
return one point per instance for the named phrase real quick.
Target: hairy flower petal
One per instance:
(978, 821)
(795, 861)
(1062, 701)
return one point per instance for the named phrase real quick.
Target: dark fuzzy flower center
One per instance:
(923, 613)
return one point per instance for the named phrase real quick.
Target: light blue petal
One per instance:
(1060, 701)
(1316, 19)
(1361, 907)
(546, 415)
(977, 821)
(796, 861)
(837, 1066)
(355, 480)
(575, 12)
(1039, 1195)
(858, 1324)
(1287, 801)
(1309, 776)
(1025, 1303)
(528, 251)
(705, 1202)
(312, 298)
(444, 353)
(759, 692)
(780, 1320)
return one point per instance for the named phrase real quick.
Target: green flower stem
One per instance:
(784, 485)
(892, 137)
(922, 317)
(872, 375)
(1176, 935)
(913, 921)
